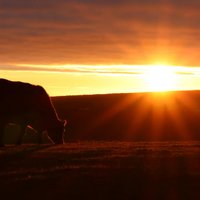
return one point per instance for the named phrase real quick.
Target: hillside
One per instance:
(134, 116)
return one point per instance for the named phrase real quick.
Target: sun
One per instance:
(160, 78)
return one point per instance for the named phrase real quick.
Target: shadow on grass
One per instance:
(101, 171)
(10, 152)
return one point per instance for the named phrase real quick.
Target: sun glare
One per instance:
(160, 78)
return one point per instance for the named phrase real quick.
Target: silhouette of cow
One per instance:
(29, 105)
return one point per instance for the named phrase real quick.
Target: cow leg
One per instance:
(39, 130)
(21, 134)
(40, 134)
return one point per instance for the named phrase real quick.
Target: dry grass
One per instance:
(101, 170)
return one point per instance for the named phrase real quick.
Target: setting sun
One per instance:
(160, 78)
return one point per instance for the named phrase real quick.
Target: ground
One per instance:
(101, 170)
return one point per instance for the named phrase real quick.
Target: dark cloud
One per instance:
(99, 31)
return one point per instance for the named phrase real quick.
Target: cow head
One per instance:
(56, 133)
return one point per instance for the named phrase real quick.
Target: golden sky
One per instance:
(98, 46)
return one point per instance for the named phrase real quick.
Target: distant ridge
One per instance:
(127, 93)
(144, 116)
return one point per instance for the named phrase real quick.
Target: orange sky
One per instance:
(98, 46)
(101, 79)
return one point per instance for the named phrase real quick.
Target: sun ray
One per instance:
(158, 113)
(161, 116)
(119, 105)
(176, 117)
(137, 128)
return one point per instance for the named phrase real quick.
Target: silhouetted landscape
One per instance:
(75, 120)
(118, 146)
(136, 116)
(171, 116)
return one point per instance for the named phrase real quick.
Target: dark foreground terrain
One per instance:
(110, 167)
(101, 170)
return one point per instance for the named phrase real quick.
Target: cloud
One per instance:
(80, 69)
(122, 70)
(99, 31)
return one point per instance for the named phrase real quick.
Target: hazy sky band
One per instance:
(98, 69)
(100, 32)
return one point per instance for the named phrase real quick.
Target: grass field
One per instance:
(101, 170)
(98, 163)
